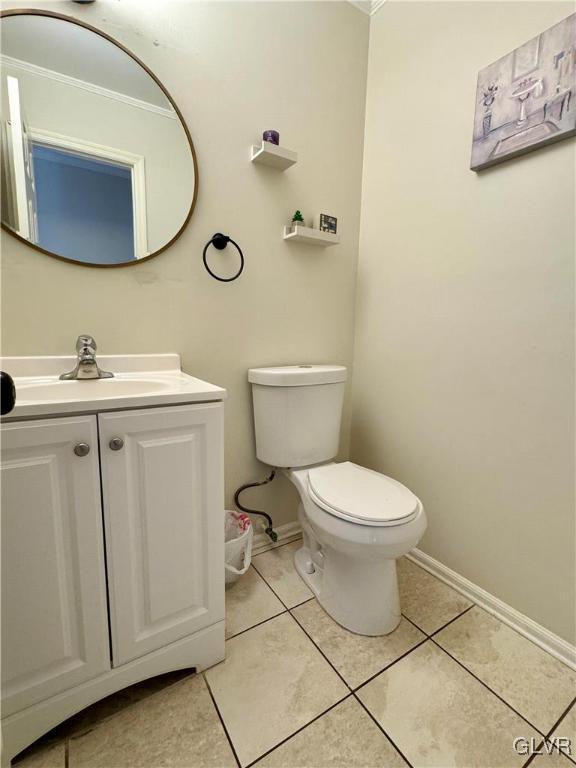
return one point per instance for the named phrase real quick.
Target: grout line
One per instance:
(431, 634)
(414, 624)
(365, 708)
(452, 620)
(534, 755)
(352, 692)
(271, 588)
(538, 731)
(387, 666)
(302, 728)
(308, 599)
(562, 716)
(297, 537)
(556, 751)
(321, 652)
(268, 585)
(392, 663)
(557, 725)
(238, 763)
(258, 624)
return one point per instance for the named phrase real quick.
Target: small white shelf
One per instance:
(310, 236)
(274, 156)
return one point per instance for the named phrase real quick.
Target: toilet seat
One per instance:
(361, 495)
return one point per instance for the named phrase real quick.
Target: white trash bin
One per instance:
(238, 535)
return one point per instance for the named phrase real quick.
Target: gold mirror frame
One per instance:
(71, 20)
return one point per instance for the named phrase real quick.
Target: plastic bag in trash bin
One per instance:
(238, 534)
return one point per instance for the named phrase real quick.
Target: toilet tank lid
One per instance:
(297, 375)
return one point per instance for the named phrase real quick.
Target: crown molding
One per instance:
(362, 5)
(375, 6)
(369, 7)
(50, 74)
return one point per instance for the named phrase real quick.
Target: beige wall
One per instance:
(234, 69)
(464, 351)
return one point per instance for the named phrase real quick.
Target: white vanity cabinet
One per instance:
(54, 619)
(112, 549)
(162, 494)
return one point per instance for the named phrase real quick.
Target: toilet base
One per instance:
(360, 596)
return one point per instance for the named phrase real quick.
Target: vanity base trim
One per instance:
(201, 650)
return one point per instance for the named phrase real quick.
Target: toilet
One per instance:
(356, 522)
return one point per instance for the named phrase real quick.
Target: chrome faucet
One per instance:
(86, 367)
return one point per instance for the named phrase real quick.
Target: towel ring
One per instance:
(220, 241)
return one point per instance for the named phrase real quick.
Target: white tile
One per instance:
(345, 737)
(536, 684)
(178, 727)
(566, 728)
(42, 756)
(273, 681)
(426, 600)
(356, 657)
(440, 716)
(248, 602)
(277, 568)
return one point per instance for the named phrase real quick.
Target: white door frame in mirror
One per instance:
(136, 163)
(16, 135)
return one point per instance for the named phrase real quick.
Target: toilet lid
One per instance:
(348, 490)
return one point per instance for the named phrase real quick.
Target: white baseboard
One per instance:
(539, 635)
(286, 533)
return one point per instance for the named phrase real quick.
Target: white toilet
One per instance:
(355, 521)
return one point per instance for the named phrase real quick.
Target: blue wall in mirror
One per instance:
(83, 206)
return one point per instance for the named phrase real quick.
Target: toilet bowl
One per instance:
(355, 522)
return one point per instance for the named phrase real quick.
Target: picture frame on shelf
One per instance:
(328, 223)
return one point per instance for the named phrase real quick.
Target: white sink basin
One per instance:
(58, 391)
(139, 381)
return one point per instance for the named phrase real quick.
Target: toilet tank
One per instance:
(297, 413)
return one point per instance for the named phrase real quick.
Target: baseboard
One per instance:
(539, 635)
(286, 533)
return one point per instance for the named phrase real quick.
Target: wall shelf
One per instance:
(273, 156)
(310, 236)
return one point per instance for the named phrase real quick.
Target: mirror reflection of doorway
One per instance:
(83, 205)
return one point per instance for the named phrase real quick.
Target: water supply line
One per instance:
(270, 529)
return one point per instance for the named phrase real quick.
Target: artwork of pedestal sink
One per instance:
(527, 98)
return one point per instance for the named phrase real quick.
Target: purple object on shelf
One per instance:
(273, 137)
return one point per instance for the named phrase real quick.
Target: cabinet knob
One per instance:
(81, 449)
(116, 444)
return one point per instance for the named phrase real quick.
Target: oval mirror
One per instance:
(98, 166)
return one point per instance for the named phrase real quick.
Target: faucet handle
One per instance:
(85, 343)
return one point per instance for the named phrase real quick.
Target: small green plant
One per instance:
(297, 218)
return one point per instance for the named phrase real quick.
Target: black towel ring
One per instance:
(220, 241)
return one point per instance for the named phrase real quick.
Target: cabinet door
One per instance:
(163, 510)
(54, 615)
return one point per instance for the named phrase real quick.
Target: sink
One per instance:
(58, 391)
(140, 381)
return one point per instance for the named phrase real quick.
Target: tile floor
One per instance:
(452, 686)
